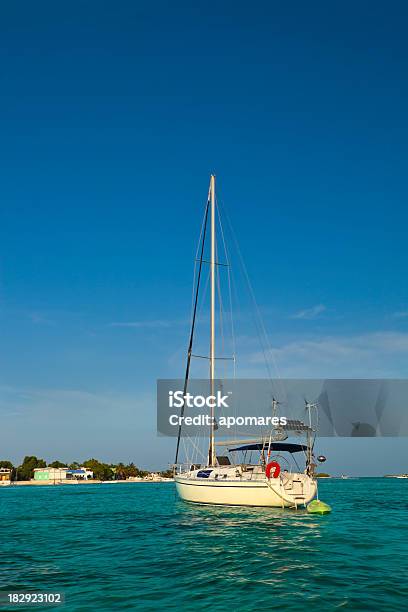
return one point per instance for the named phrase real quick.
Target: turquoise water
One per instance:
(136, 547)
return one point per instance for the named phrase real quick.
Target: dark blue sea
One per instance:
(135, 546)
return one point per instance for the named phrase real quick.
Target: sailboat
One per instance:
(233, 479)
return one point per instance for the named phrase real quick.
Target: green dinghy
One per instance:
(318, 507)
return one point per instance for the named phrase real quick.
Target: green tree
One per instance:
(57, 464)
(131, 470)
(141, 473)
(101, 471)
(167, 473)
(25, 471)
(121, 472)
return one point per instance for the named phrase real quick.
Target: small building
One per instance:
(59, 474)
(80, 474)
(5, 476)
(153, 477)
(50, 473)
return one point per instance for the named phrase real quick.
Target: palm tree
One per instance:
(120, 472)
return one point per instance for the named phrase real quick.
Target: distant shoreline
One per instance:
(52, 483)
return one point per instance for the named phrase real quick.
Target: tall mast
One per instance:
(211, 452)
(193, 322)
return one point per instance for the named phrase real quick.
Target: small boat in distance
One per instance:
(233, 479)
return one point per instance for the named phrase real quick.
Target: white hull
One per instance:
(293, 492)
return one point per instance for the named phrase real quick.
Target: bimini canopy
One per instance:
(276, 446)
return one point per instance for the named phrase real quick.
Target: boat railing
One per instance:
(181, 468)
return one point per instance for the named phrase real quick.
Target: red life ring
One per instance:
(273, 467)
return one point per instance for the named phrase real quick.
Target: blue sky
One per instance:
(112, 117)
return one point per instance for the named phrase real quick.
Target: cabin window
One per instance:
(204, 473)
(222, 460)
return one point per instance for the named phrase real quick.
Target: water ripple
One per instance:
(137, 547)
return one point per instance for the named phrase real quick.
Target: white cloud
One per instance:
(144, 324)
(72, 424)
(40, 319)
(380, 354)
(310, 313)
(402, 314)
